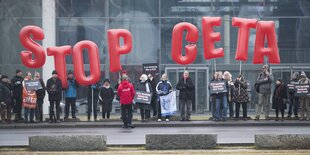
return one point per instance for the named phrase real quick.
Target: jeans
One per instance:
(39, 110)
(70, 101)
(221, 107)
(188, 105)
(264, 101)
(127, 114)
(52, 114)
(294, 104)
(244, 109)
(27, 113)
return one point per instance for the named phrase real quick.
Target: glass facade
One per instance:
(151, 23)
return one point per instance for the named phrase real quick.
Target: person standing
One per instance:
(54, 90)
(185, 85)
(293, 100)
(145, 109)
(40, 98)
(241, 96)
(17, 88)
(230, 93)
(304, 100)
(29, 100)
(221, 100)
(71, 93)
(126, 93)
(106, 96)
(5, 99)
(163, 88)
(212, 97)
(279, 99)
(264, 81)
(154, 96)
(92, 100)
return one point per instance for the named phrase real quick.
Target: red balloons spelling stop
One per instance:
(32, 46)
(191, 49)
(115, 49)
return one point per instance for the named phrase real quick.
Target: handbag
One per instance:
(256, 86)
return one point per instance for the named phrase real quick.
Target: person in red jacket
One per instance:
(126, 92)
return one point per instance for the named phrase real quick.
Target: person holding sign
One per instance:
(29, 100)
(263, 83)
(185, 85)
(219, 88)
(54, 90)
(92, 100)
(163, 88)
(40, 97)
(304, 100)
(145, 108)
(241, 96)
(293, 100)
(279, 99)
(106, 96)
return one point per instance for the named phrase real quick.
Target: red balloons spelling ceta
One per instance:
(190, 50)
(94, 62)
(34, 48)
(266, 29)
(209, 37)
(243, 36)
(59, 54)
(115, 49)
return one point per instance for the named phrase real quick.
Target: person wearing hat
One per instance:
(106, 96)
(5, 99)
(54, 90)
(293, 100)
(304, 100)
(264, 82)
(71, 93)
(17, 89)
(279, 99)
(92, 100)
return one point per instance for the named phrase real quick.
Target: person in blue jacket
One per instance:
(71, 95)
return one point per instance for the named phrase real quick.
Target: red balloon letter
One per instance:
(114, 47)
(209, 37)
(190, 50)
(59, 54)
(243, 36)
(266, 29)
(78, 62)
(33, 47)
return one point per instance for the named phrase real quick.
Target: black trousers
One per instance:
(153, 105)
(18, 107)
(231, 109)
(70, 102)
(145, 113)
(52, 113)
(39, 110)
(103, 114)
(277, 112)
(92, 107)
(294, 104)
(244, 109)
(126, 114)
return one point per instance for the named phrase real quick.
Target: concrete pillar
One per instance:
(227, 39)
(49, 28)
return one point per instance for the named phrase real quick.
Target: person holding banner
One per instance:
(40, 97)
(71, 93)
(145, 108)
(106, 96)
(230, 93)
(279, 99)
(263, 83)
(92, 100)
(304, 100)
(54, 90)
(29, 100)
(5, 99)
(294, 101)
(163, 89)
(241, 96)
(185, 85)
(126, 93)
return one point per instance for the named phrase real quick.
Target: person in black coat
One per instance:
(40, 97)
(279, 99)
(106, 96)
(145, 86)
(92, 100)
(5, 99)
(185, 85)
(152, 81)
(293, 100)
(17, 89)
(54, 90)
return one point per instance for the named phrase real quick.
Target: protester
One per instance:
(54, 90)
(17, 88)
(163, 88)
(293, 100)
(40, 97)
(145, 86)
(279, 99)
(106, 96)
(92, 100)
(304, 100)
(29, 100)
(71, 93)
(154, 96)
(212, 97)
(263, 82)
(221, 100)
(241, 96)
(230, 93)
(5, 99)
(185, 85)
(126, 93)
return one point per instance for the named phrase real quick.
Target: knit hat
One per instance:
(303, 74)
(124, 72)
(70, 72)
(4, 77)
(106, 80)
(18, 70)
(54, 72)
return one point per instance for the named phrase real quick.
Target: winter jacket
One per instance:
(241, 93)
(96, 88)
(72, 87)
(304, 80)
(106, 96)
(264, 85)
(163, 88)
(186, 87)
(54, 89)
(126, 92)
(231, 91)
(41, 92)
(5, 93)
(17, 86)
(279, 97)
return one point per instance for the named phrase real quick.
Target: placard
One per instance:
(291, 85)
(217, 87)
(32, 85)
(301, 89)
(143, 97)
(151, 68)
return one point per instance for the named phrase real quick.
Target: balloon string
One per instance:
(240, 63)
(215, 65)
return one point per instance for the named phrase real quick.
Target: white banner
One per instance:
(168, 104)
